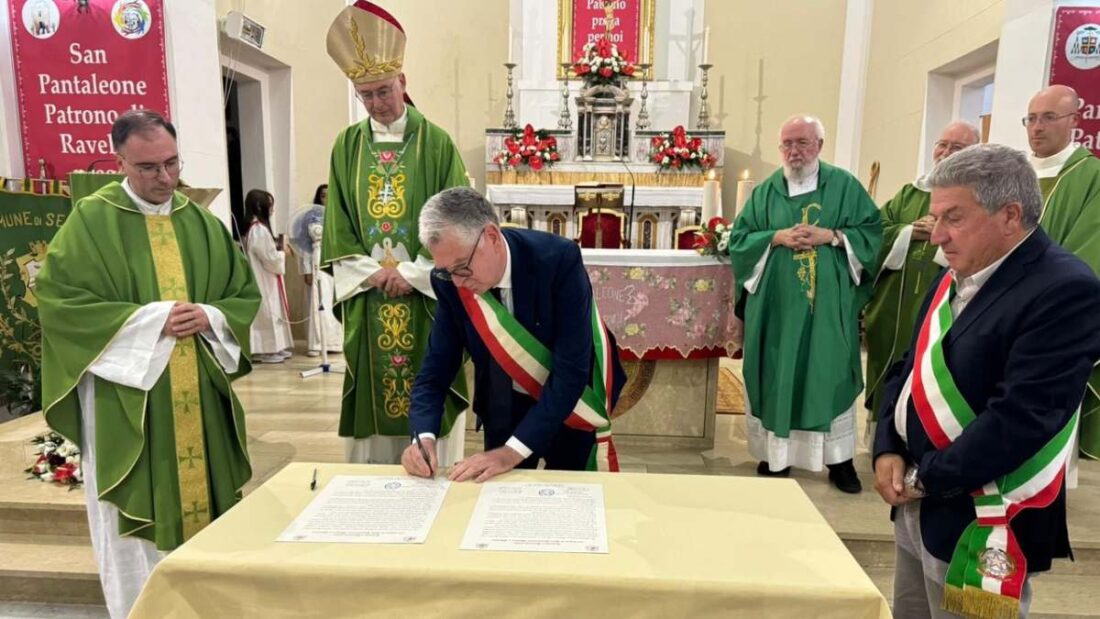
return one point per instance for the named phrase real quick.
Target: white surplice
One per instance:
(271, 328)
(136, 357)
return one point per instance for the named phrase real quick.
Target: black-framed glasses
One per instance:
(1043, 119)
(462, 270)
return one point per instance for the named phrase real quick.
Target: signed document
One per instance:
(370, 510)
(535, 517)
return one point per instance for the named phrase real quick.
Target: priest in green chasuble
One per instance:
(906, 266)
(146, 304)
(1069, 178)
(804, 250)
(383, 170)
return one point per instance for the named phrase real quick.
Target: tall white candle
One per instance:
(510, 45)
(712, 198)
(706, 44)
(744, 190)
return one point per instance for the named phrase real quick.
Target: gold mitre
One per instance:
(367, 43)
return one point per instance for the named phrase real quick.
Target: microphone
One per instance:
(630, 215)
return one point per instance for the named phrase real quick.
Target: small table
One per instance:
(680, 546)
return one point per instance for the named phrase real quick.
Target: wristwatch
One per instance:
(913, 487)
(836, 239)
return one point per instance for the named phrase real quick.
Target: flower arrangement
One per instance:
(58, 461)
(535, 149)
(678, 151)
(600, 63)
(714, 237)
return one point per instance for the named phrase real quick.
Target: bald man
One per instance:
(906, 266)
(1069, 177)
(803, 252)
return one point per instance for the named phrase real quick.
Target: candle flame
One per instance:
(745, 174)
(711, 175)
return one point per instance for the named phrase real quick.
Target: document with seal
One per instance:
(535, 517)
(370, 510)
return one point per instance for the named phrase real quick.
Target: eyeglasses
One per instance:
(382, 93)
(950, 147)
(149, 171)
(796, 144)
(1043, 119)
(463, 270)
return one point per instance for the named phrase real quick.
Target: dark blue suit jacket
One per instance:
(1020, 352)
(552, 298)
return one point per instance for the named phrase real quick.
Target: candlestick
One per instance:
(643, 114)
(703, 123)
(509, 113)
(565, 119)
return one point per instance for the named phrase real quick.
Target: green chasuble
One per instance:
(1071, 217)
(175, 457)
(892, 313)
(802, 365)
(375, 194)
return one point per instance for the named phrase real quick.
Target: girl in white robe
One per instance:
(334, 331)
(271, 337)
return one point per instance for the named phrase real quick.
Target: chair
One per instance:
(601, 229)
(685, 237)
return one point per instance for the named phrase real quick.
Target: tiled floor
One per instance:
(294, 419)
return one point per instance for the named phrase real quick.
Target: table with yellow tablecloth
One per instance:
(680, 546)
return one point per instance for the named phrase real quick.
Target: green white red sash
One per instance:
(528, 362)
(987, 569)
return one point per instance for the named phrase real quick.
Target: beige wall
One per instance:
(296, 37)
(909, 39)
(453, 67)
(800, 43)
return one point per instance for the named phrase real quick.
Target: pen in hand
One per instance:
(424, 454)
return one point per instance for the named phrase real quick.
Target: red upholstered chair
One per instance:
(685, 237)
(610, 224)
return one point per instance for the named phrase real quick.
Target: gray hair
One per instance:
(819, 127)
(997, 175)
(460, 210)
(138, 121)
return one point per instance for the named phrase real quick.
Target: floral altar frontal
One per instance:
(672, 316)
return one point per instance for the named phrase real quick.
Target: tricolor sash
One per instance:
(528, 362)
(987, 569)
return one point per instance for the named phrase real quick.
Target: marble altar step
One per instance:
(47, 569)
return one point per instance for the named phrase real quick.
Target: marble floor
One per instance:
(294, 419)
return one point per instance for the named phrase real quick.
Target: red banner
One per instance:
(1075, 62)
(78, 65)
(590, 24)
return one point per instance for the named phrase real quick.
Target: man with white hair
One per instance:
(1069, 177)
(803, 251)
(906, 266)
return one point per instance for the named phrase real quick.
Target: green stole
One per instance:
(892, 314)
(802, 362)
(175, 457)
(385, 339)
(1071, 217)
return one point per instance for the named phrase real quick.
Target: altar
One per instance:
(603, 111)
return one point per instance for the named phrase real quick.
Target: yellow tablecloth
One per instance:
(680, 546)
